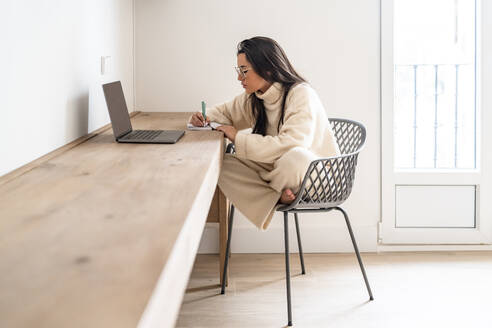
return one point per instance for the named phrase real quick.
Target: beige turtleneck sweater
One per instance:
(305, 124)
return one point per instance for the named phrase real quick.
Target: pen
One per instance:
(203, 113)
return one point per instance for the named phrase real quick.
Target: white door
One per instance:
(436, 176)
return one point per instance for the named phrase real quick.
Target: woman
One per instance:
(289, 130)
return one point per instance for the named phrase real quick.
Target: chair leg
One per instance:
(356, 252)
(301, 255)
(287, 268)
(228, 249)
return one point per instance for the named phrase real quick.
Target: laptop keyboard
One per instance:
(143, 134)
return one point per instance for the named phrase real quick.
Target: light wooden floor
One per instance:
(435, 289)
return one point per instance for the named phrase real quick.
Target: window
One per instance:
(435, 115)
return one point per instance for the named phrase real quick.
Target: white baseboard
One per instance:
(315, 239)
(432, 248)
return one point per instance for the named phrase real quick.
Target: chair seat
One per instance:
(306, 207)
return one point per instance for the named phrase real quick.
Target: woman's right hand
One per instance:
(198, 120)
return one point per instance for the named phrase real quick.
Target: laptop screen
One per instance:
(118, 112)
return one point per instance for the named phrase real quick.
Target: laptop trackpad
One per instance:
(171, 136)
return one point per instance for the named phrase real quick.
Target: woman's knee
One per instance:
(297, 158)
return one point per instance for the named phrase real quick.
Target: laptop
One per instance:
(120, 120)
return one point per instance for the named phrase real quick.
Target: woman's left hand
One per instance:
(229, 131)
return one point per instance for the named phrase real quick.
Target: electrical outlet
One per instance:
(105, 65)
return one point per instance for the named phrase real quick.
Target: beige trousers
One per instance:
(255, 188)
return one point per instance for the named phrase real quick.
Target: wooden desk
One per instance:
(105, 234)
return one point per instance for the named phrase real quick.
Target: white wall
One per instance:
(50, 85)
(185, 53)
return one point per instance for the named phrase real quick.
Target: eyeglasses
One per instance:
(242, 71)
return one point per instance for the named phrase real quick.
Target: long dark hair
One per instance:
(269, 61)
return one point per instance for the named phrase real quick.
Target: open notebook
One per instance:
(211, 126)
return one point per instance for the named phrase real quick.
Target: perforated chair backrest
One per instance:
(328, 181)
(350, 135)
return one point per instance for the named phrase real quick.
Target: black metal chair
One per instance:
(327, 184)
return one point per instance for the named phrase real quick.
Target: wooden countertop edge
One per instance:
(31, 165)
(163, 307)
